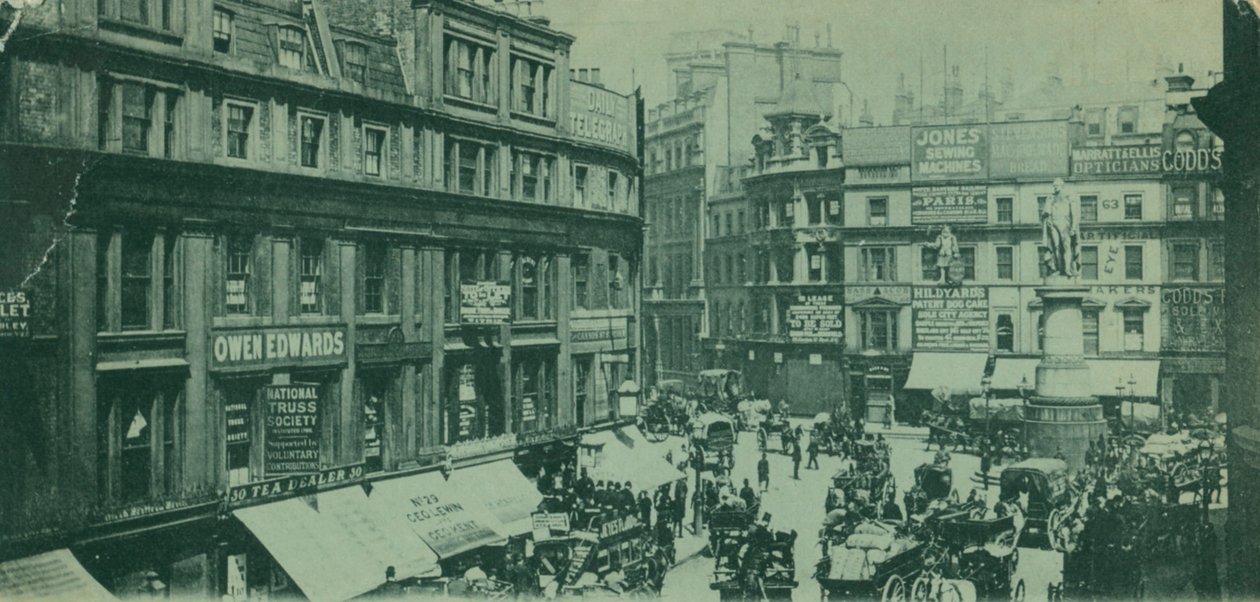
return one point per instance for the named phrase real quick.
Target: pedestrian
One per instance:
(796, 461)
(645, 509)
(585, 486)
(986, 463)
(761, 437)
(680, 506)
(628, 503)
(763, 473)
(889, 419)
(747, 494)
(813, 453)
(664, 506)
(798, 434)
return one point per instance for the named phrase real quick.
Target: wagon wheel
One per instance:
(1054, 592)
(894, 590)
(1017, 594)
(948, 591)
(922, 589)
(1054, 531)
(657, 431)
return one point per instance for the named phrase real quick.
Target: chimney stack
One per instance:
(1180, 82)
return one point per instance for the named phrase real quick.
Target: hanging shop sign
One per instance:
(949, 204)
(950, 153)
(1142, 159)
(291, 430)
(951, 318)
(877, 146)
(262, 347)
(15, 314)
(485, 302)
(816, 319)
(1028, 150)
(599, 115)
(293, 485)
(1193, 318)
(481, 447)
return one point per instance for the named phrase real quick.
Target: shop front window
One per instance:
(1089, 330)
(1134, 329)
(535, 393)
(139, 428)
(1005, 332)
(375, 392)
(310, 273)
(878, 329)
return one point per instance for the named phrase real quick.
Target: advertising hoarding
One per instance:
(1036, 149)
(258, 347)
(816, 319)
(877, 146)
(949, 204)
(949, 153)
(951, 318)
(1193, 318)
(600, 116)
(485, 303)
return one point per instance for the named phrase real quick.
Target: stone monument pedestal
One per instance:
(1062, 416)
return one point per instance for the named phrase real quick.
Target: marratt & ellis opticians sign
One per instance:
(255, 347)
(1116, 160)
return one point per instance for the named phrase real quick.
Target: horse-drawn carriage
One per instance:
(968, 426)
(713, 435)
(970, 558)
(751, 562)
(875, 559)
(933, 484)
(721, 389)
(866, 479)
(1043, 493)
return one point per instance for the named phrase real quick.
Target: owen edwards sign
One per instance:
(265, 346)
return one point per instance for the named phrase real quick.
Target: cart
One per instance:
(750, 413)
(875, 562)
(721, 388)
(932, 483)
(713, 435)
(874, 483)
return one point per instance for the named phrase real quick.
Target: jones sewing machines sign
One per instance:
(816, 319)
(949, 204)
(485, 303)
(292, 429)
(951, 318)
(950, 153)
(260, 347)
(15, 314)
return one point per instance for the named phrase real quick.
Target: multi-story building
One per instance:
(258, 252)
(1140, 169)
(720, 96)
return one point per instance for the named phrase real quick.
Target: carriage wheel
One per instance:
(949, 586)
(922, 589)
(953, 497)
(894, 590)
(1017, 594)
(1053, 526)
(1054, 592)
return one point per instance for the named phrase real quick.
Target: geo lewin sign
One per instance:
(954, 318)
(816, 319)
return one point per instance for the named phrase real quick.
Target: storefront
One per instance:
(954, 376)
(546, 452)
(473, 396)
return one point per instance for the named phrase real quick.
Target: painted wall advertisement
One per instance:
(599, 115)
(1143, 159)
(1018, 150)
(816, 319)
(877, 146)
(951, 318)
(15, 314)
(1193, 318)
(949, 204)
(292, 430)
(950, 153)
(485, 302)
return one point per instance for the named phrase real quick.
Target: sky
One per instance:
(1111, 40)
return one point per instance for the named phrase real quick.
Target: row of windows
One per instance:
(1096, 121)
(136, 279)
(1183, 204)
(676, 154)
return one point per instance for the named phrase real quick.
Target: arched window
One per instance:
(1184, 142)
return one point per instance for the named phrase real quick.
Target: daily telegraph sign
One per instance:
(600, 116)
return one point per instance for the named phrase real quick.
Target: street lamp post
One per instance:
(1206, 472)
(986, 386)
(1120, 399)
(1133, 401)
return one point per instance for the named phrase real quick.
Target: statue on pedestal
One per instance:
(1060, 233)
(946, 247)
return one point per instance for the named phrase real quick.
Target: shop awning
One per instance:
(625, 455)
(55, 575)
(1009, 372)
(958, 372)
(335, 545)
(449, 519)
(504, 491)
(1106, 374)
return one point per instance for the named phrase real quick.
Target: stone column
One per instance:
(1062, 416)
